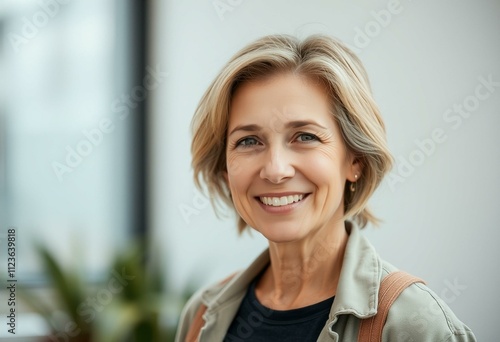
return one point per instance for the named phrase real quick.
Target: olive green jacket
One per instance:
(417, 315)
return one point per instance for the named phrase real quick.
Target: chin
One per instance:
(281, 233)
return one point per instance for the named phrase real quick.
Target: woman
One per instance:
(289, 134)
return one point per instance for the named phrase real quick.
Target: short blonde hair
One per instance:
(321, 58)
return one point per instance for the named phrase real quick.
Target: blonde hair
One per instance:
(319, 57)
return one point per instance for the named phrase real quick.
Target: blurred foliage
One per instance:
(131, 305)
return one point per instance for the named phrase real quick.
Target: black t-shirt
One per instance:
(256, 323)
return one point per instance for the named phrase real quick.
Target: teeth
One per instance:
(280, 201)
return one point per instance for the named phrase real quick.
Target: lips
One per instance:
(281, 200)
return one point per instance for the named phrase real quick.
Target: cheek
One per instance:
(239, 178)
(234, 168)
(325, 167)
(238, 175)
(236, 163)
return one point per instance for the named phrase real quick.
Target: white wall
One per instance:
(441, 220)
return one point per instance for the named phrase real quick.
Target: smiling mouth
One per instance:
(281, 201)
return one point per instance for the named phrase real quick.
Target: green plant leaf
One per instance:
(67, 285)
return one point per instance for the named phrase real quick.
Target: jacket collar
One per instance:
(359, 282)
(357, 291)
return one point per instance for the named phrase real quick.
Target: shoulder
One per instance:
(200, 298)
(187, 315)
(418, 314)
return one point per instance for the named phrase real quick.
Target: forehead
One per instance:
(285, 96)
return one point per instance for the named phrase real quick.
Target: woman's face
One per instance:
(286, 161)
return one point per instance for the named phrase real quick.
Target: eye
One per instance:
(246, 142)
(306, 137)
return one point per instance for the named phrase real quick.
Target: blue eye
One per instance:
(245, 142)
(306, 137)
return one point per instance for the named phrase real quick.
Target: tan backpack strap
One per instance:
(196, 325)
(198, 321)
(392, 285)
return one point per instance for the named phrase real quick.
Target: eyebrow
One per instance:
(291, 124)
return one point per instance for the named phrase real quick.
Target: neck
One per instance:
(303, 272)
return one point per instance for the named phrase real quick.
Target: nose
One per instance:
(277, 166)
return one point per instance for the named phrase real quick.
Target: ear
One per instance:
(355, 169)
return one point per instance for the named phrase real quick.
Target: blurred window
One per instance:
(67, 129)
